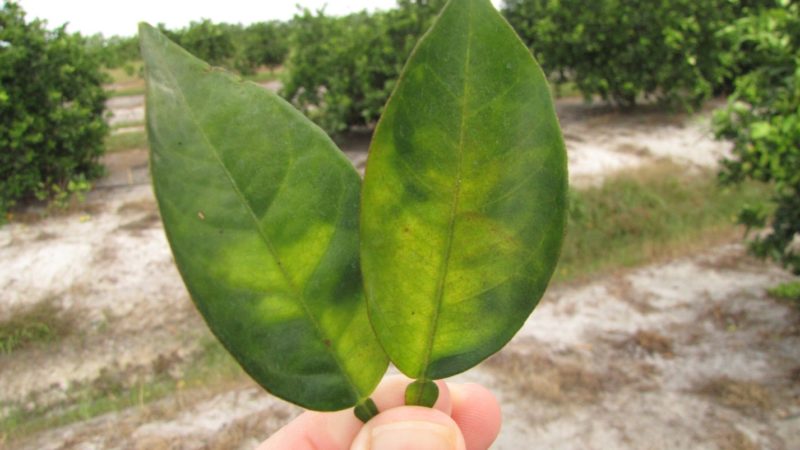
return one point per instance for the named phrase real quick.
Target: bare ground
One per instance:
(684, 355)
(690, 353)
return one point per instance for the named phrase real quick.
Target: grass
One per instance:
(789, 292)
(126, 141)
(126, 81)
(128, 124)
(654, 213)
(137, 89)
(212, 366)
(41, 323)
(129, 73)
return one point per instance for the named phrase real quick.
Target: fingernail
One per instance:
(413, 435)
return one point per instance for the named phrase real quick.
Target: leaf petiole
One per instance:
(422, 393)
(366, 410)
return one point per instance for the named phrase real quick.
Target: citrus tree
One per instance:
(763, 122)
(51, 109)
(627, 50)
(341, 70)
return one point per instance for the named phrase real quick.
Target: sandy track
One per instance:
(689, 354)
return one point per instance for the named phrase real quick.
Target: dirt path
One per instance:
(111, 270)
(690, 354)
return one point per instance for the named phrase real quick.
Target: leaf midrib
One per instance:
(267, 241)
(444, 267)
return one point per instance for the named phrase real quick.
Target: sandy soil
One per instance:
(686, 354)
(601, 141)
(689, 354)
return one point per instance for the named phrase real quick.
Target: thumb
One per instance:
(410, 427)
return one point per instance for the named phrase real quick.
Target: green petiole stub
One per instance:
(366, 410)
(422, 393)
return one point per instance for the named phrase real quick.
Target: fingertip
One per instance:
(444, 403)
(477, 412)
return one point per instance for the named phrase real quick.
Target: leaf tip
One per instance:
(145, 29)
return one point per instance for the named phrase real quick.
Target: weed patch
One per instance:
(127, 124)
(129, 73)
(651, 343)
(113, 391)
(135, 89)
(41, 323)
(559, 380)
(126, 141)
(788, 292)
(745, 396)
(657, 212)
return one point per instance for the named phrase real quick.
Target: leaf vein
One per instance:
(440, 283)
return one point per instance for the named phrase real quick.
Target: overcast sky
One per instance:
(112, 17)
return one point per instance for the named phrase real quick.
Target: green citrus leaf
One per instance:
(463, 204)
(261, 209)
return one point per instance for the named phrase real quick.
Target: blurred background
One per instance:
(672, 321)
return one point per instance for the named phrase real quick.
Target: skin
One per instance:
(465, 417)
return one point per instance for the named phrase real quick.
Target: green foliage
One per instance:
(763, 121)
(115, 51)
(260, 209)
(262, 44)
(209, 41)
(623, 50)
(61, 197)
(243, 49)
(464, 198)
(51, 109)
(787, 291)
(341, 70)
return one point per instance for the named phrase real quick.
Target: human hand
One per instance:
(465, 417)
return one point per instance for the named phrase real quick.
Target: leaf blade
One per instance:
(260, 209)
(462, 213)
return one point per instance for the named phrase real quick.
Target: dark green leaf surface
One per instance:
(261, 211)
(463, 205)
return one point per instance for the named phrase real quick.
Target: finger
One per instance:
(477, 412)
(316, 431)
(410, 427)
